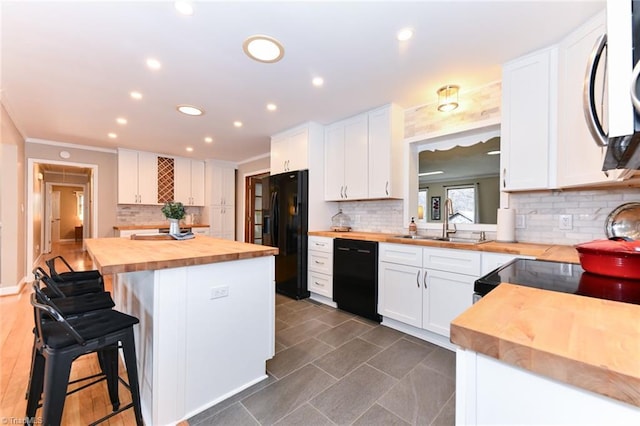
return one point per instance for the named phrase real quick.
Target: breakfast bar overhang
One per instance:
(207, 317)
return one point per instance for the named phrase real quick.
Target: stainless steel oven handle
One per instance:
(588, 101)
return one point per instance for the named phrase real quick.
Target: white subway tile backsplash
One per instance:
(589, 210)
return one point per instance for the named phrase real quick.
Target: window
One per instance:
(80, 205)
(463, 200)
(422, 205)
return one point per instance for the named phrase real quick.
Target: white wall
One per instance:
(12, 205)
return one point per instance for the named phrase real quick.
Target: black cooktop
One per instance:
(561, 277)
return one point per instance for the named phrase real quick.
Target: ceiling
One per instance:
(67, 68)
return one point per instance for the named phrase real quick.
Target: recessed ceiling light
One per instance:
(208, 139)
(263, 48)
(136, 95)
(121, 120)
(404, 34)
(184, 7)
(272, 107)
(437, 172)
(189, 110)
(237, 123)
(112, 135)
(189, 149)
(154, 64)
(317, 81)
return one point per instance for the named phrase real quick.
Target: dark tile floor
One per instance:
(334, 368)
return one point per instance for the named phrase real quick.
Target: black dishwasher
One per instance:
(355, 277)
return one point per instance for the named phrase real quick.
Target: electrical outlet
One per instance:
(218, 292)
(566, 222)
(565, 269)
(520, 221)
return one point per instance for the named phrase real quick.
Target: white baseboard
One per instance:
(420, 333)
(322, 299)
(13, 289)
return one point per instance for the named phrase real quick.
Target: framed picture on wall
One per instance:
(435, 208)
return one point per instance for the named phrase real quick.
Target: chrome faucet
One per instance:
(448, 211)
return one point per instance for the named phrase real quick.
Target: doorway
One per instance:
(43, 172)
(253, 208)
(64, 213)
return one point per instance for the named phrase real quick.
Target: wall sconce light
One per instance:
(448, 98)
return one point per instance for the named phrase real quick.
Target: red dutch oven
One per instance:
(615, 257)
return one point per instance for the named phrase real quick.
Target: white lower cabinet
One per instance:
(320, 266)
(423, 287)
(200, 230)
(127, 233)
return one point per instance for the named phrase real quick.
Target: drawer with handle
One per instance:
(320, 262)
(320, 283)
(324, 244)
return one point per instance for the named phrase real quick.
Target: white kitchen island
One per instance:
(207, 310)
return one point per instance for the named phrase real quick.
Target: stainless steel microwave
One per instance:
(611, 97)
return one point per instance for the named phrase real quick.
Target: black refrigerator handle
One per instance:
(274, 218)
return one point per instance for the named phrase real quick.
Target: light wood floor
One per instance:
(16, 340)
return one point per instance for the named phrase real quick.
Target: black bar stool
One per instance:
(71, 274)
(67, 288)
(61, 341)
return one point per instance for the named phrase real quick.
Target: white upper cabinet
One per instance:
(290, 150)
(529, 121)
(223, 185)
(137, 177)
(189, 181)
(346, 159)
(386, 132)
(363, 156)
(579, 158)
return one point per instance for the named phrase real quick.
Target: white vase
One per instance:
(174, 226)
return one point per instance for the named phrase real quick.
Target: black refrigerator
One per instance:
(285, 224)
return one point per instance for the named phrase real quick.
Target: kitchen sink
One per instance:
(447, 239)
(413, 237)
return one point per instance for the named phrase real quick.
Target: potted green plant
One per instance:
(174, 211)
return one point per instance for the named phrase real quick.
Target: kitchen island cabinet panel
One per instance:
(207, 318)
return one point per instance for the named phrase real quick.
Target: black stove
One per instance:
(560, 277)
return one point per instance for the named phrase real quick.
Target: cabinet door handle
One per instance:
(318, 284)
(424, 278)
(418, 279)
(504, 177)
(345, 192)
(342, 191)
(318, 262)
(386, 188)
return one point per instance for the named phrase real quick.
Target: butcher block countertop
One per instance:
(157, 226)
(557, 253)
(115, 255)
(586, 342)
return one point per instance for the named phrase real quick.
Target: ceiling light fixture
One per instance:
(154, 64)
(237, 123)
(190, 110)
(263, 48)
(208, 139)
(184, 7)
(437, 172)
(112, 135)
(404, 34)
(189, 149)
(272, 107)
(493, 153)
(448, 98)
(317, 81)
(136, 95)
(121, 120)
